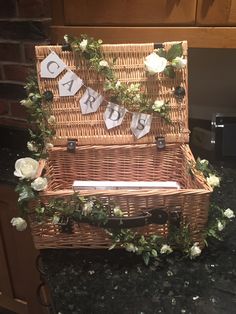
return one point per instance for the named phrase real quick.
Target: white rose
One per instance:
(158, 104)
(49, 145)
(83, 44)
(130, 247)
(213, 180)
(39, 184)
(51, 119)
(88, 207)
(19, 223)
(179, 62)
(166, 249)
(103, 63)
(117, 211)
(32, 147)
(155, 64)
(26, 168)
(220, 226)
(195, 250)
(229, 213)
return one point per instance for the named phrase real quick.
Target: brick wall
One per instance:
(23, 24)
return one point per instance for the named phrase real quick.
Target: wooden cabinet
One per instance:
(129, 12)
(19, 278)
(203, 23)
(216, 12)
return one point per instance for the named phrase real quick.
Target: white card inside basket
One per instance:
(115, 185)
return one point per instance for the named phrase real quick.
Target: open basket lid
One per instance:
(129, 67)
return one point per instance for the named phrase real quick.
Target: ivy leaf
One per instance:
(169, 71)
(161, 53)
(146, 258)
(154, 253)
(26, 193)
(212, 233)
(175, 51)
(112, 246)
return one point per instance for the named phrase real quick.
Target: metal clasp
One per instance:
(160, 142)
(71, 145)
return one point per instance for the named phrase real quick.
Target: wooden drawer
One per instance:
(132, 12)
(216, 12)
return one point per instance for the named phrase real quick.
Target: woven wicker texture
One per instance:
(129, 67)
(126, 163)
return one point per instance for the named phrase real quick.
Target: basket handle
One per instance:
(159, 216)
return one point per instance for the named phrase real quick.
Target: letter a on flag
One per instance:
(90, 101)
(69, 84)
(51, 66)
(140, 124)
(114, 115)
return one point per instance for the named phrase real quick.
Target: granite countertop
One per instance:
(12, 146)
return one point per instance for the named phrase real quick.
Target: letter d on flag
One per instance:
(114, 115)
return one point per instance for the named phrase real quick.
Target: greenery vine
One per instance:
(40, 117)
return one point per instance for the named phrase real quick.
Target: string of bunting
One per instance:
(91, 100)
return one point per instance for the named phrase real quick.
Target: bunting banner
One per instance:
(69, 84)
(114, 115)
(91, 100)
(52, 66)
(140, 124)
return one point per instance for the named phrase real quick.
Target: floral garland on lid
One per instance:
(130, 95)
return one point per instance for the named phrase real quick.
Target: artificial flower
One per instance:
(26, 103)
(55, 220)
(137, 98)
(229, 213)
(155, 64)
(19, 223)
(26, 168)
(83, 44)
(49, 145)
(195, 250)
(51, 119)
(88, 207)
(130, 247)
(179, 62)
(166, 249)
(32, 147)
(158, 104)
(39, 184)
(118, 84)
(133, 88)
(117, 211)
(204, 162)
(220, 226)
(104, 64)
(213, 180)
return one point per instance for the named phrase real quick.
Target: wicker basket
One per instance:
(115, 155)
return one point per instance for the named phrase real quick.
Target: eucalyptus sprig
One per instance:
(128, 95)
